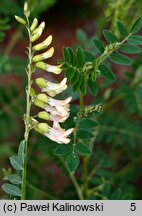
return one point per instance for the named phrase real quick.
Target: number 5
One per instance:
(133, 207)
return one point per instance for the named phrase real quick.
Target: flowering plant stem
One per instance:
(28, 108)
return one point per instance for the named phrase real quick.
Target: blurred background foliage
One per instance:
(115, 165)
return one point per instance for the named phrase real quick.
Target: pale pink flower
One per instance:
(56, 103)
(58, 134)
(58, 111)
(53, 89)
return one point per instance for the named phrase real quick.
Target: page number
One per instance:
(133, 207)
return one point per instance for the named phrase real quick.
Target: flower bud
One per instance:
(44, 44)
(43, 56)
(41, 82)
(42, 97)
(20, 20)
(43, 127)
(41, 26)
(34, 24)
(39, 103)
(41, 65)
(38, 33)
(32, 92)
(44, 115)
(25, 7)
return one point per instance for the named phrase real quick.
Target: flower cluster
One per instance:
(56, 111)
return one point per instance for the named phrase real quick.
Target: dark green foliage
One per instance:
(83, 149)
(73, 66)
(92, 85)
(120, 59)
(122, 29)
(99, 44)
(110, 37)
(130, 49)
(137, 25)
(107, 72)
(63, 149)
(72, 162)
(84, 134)
(135, 39)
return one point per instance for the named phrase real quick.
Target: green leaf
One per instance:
(70, 72)
(135, 40)
(11, 189)
(16, 164)
(84, 134)
(79, 58)
(92, 85)
(120, 59)
(83, 149)
(75, 78)
(66, 55)
(21, 152)
(88, 123)
(99, 44)
(14, 179)
(122, 29)
(137, 25)
(81, 35)
(107, 72)
(63, 149)
(72, 162)
(110, 37)
(78, 83)
(130, 49)
(72, 56)
(83, 86)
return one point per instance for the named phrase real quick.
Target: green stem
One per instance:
(27, 116)
(85, 159)
(48, 196)
(74, 181)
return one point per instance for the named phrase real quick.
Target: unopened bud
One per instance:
(20, 20)
(44, 115)
(39, 103)
(34, 24)
(42, 97)
(44, 56)
(39, 28)
(41, 65)
(44, 44)
(32, 92)
(43, 127)
(41, 82)
(25, 7)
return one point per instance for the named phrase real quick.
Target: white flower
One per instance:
(58, 134)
